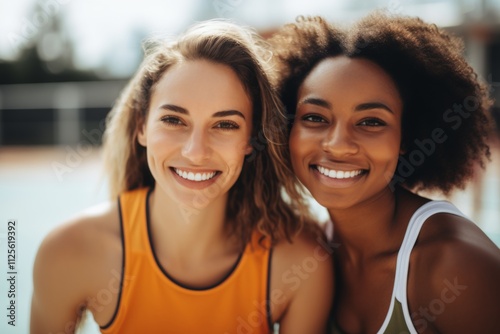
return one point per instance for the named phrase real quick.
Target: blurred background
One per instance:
(64, 62)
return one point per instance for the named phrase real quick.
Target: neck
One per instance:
(186, 232)
(368, 229)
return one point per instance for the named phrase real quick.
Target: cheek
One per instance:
(385, 150)
(302, 142)
(300, 145)
(160, 142)
(233, 150)
(294, 146)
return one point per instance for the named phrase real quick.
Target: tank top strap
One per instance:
(413, 230)
(259, 242)
(134, 217)
(132, 211)
(399, 296)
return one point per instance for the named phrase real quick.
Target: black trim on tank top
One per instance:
(268, 291)
(122, 237)
(173, 280)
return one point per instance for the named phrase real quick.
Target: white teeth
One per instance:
(339, 174)
(194, 176)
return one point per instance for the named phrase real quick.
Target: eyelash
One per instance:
(227, 125)
(313, 118)
(223, 125)
(172, 121)
(370, 122)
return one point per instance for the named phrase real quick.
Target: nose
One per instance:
(197, 147)
(340, 141)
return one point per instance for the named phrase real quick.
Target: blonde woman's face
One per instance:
(197, 131)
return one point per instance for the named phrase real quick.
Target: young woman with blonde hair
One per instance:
(200, 239)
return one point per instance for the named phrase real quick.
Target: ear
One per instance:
(402, 149)
(141, 135)
(248, 149)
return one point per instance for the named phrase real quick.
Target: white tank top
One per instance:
(403, 260)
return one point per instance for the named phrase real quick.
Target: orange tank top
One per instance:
(151, 302)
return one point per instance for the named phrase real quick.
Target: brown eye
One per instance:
(372, 122)
(313, 119)
(172, 121)
(227, 125)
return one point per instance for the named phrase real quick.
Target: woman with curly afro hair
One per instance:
(381, 110)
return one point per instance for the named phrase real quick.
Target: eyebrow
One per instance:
(231, 112)
(361, 107)
(222, 113)
(317, 102)
(372, 105)
(174, 108)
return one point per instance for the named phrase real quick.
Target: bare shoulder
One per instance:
(455, 240)
(306, 250)
(302, 283)
(82, 239)
(72, 261)
(455, 265)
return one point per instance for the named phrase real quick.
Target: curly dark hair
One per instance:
(445, 121)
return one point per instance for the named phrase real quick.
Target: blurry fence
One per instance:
(55, 113)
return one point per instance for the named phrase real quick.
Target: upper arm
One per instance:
(308, 277)
(58, 284)
(461, 293)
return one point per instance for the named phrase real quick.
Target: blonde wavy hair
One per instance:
(256, 200)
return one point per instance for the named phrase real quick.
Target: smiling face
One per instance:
(197, 131)
(345, 140)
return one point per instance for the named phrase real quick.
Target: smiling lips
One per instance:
(197, 177)
(339, 174)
